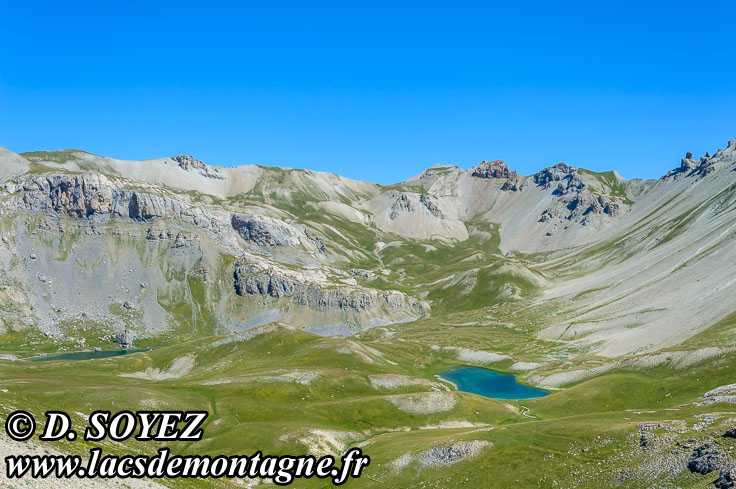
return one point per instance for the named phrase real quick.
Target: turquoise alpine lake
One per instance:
(85, 355)
(490, 383)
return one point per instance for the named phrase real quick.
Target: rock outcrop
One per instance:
(418, 215)
(726, 479)
(264, 231)
(586, 203)
(450, 454)
(160, 233)
(319, 245)
(125, 339)
(430, 202)
(190, 163)
(402, 204)
(493, 169)
(515, 185)
(249, 281)
(564, 176)
(576, 202)
(94, 196)
(724, 393)
(706, 459)
(691, 168)
(363, 274)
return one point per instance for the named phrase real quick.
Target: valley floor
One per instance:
(284, 391)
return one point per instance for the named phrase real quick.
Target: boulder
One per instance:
(125, 339)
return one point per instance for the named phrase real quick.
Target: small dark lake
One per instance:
(490, 383)
(85, 355)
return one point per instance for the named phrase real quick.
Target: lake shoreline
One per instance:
(489, 383)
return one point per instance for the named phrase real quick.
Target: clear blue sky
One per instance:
(372, 90)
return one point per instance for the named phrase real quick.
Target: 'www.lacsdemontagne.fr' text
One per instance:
(282, 470)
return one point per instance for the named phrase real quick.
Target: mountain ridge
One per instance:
(40, 153)
(334, 254)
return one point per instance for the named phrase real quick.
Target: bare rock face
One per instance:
(94, 196)
(493, 169)
(264, 231)
(249, 281)
(190, 163)
(74, 195)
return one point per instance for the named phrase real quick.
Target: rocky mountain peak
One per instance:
(566, 176)
(493, 169)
